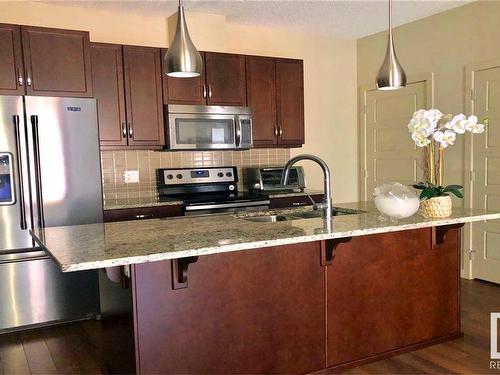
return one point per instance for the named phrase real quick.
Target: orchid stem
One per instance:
(441, 165)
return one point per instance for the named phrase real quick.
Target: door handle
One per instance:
(124, 130)
(20, 78)
(130, 130)
(28, 78)
(24, 225)
(237, 125)
(38, 170)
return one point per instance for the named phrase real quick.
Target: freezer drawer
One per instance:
(36, 292)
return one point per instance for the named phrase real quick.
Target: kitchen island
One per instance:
(225, 294)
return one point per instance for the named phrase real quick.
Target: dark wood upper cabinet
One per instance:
(290, 94)
(184, 90)
(57, 62)
(11, 61)
(225, 77)
(261, 97)
(143, 95)
(109, 91)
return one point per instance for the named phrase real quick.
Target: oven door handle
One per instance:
(237, 131)
(227, 205)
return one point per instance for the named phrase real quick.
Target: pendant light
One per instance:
(391, 75)
(182, 59)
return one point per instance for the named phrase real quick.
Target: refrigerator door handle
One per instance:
(17, 133)
(38, 171)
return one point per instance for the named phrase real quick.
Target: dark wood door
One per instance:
(11, 61)
(290, 93)
(225, 77)
(388, 291)
(57, 62)
(109, 91)
(143, 95)
(184, 90)
(261, 98)
(248, 312)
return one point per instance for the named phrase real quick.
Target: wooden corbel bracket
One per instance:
(438, 234)
(328, 248)
(179, 271)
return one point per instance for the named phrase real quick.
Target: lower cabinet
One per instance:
(295, 308)
(246, 312)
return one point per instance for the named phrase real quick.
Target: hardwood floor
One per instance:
(75, 348)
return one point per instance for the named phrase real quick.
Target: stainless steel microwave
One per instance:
(197, 127)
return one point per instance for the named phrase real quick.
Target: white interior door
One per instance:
(485, 192)
(388, 153)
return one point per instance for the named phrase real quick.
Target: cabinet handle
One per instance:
(130, 130)
(204, 91)
(141, 216)
(124, 130)
(20, 78)
(275, 131)
(28, 78)
(280, 131)
(209, 91)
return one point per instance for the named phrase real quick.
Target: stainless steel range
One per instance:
(207, 190)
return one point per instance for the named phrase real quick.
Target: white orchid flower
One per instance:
(425, 120)
(420, 138)
(445, 138)
(457, 124)
(473, 126)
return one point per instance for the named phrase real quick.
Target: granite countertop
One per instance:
(94, 246)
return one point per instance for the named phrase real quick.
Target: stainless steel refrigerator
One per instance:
(50, 175)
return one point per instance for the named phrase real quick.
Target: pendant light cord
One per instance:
(390, 16)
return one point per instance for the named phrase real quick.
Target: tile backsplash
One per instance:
(115, 163)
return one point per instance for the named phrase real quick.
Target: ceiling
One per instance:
(341, 18)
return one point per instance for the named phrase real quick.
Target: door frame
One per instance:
(362, 93)
(469, 106)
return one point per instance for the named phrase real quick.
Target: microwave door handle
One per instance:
(237, 123)
(38, 174)
(17, 133)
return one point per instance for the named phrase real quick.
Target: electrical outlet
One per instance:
(131, 177)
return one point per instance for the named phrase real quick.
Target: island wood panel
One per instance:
(226, 79)
(389, 291)
(11, 61)
(184, 90)
(57, 62)
(142, 213)
(143, 95)
(259, 311)
(290, 99)
(261, 97)
(109, 91)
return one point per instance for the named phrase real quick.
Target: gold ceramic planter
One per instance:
(437, 207)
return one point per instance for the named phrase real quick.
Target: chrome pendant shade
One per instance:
(182, 59)
(391, 75)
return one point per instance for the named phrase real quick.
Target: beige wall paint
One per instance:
(442, 44)
(329, 69)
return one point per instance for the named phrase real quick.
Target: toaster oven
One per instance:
(268, 179)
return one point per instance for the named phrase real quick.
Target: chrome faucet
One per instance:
(326, 205)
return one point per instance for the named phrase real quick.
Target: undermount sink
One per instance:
(336, 211)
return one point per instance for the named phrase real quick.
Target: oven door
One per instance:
(202, 131)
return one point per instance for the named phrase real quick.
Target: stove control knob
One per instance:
(220, 174)
(231, 187)
(169, 176)
(179, 176)
(229, 174)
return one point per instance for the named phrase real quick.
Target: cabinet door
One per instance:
(261, 97)
(143, 95)
(109, 91)
(184, 90)
(11, 61)
(248, 312)
(290, 92)
(225, 75)
(57, 62)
